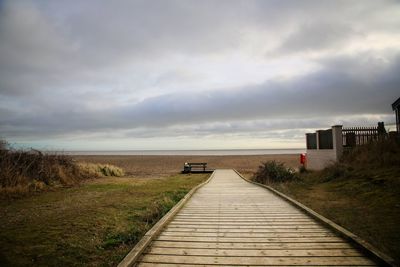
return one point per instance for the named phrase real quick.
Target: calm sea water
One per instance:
(190, 152)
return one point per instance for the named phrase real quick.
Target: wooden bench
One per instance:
(192, 167)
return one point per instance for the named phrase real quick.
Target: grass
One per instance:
(360, 193)
(366, 204)
(94, 224)
(98, 169)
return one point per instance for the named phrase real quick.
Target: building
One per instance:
(396, 108)
(324, 147)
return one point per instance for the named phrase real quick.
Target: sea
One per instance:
(223, 152)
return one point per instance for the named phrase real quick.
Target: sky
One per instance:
(187, 74)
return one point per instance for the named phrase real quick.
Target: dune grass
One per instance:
(98, 169)
(23, 172)
(94, 224)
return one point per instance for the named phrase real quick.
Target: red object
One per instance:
(303, 158)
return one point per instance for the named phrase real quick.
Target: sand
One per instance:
(150, 166)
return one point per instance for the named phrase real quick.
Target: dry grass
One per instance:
(97, 169)
(23, 172)
(27, 171)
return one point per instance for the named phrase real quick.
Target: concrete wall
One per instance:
(317, 159)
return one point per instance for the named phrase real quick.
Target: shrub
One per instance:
(272, 171)
(19, 167)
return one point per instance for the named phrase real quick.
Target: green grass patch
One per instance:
(95, 224)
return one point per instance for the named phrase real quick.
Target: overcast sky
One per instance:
(101, 75)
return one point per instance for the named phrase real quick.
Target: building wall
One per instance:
(317, 159)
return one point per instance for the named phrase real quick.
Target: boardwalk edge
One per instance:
(379, 256)
(132, 257)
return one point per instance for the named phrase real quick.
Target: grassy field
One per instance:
(94, 224)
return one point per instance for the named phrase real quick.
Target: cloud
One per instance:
(156, 68)
(317, 36)
(342, 87)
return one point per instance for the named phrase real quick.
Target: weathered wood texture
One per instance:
(232, 222)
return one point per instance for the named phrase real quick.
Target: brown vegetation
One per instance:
(29, 171)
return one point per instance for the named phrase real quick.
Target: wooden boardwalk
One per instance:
(232, 222)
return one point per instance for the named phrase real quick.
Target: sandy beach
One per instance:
(149, 166)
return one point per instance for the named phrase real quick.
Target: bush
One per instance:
(272, 171)
(22, 168)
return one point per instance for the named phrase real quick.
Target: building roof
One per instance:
(396, 104)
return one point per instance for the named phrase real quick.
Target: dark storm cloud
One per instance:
(343, 87)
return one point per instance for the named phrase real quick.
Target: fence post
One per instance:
(337, 140)
(381, 130)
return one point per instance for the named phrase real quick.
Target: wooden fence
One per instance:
(355, 136)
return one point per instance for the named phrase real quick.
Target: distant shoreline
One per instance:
(211, 152)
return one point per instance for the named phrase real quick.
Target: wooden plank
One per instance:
(266, 219)
(247, 235)
(234, 230)
(255, 252)
(249, 217)
(146, 264)
(275, 261)
(237, 215)
(244, 246)
(243, 223)
(268, 226)
(247, 240)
